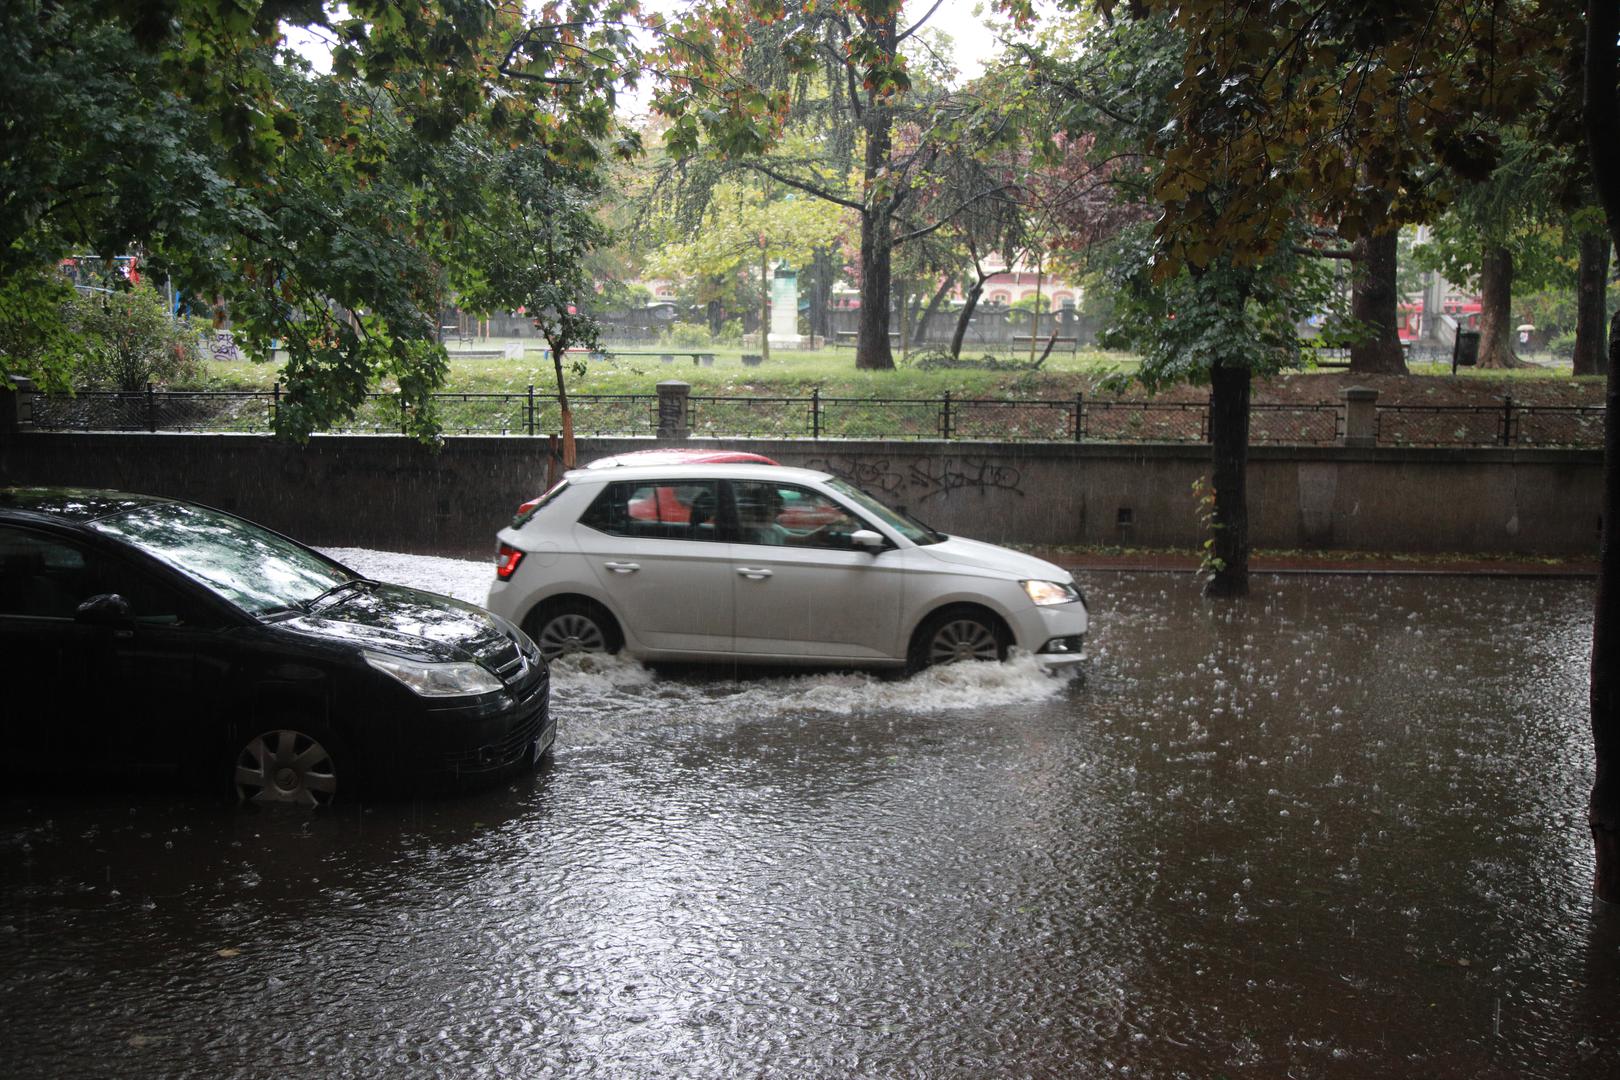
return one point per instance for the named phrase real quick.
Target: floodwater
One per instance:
(1334, 831)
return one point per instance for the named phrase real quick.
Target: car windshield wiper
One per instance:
(337, 590)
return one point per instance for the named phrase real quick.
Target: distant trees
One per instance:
(837, 75)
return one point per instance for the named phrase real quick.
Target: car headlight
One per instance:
(1044, 593)
(460, 679)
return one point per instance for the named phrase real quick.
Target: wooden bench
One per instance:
(1024, 340)
(853, 337)
(705, 359)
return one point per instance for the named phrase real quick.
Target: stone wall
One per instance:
(388, 492)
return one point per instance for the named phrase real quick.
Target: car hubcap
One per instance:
(963, 639)
(285, 767)
(568, 634)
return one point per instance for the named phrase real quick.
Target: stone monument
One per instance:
(785, 309)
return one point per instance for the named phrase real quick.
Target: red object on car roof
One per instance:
(680, 457)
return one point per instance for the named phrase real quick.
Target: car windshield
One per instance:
(251, 567)
(898, 520)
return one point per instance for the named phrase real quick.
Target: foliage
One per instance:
(37, 339)
(687, 335)
(1209, 563)
(131, 339)
(323, 208)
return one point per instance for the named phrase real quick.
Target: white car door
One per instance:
(656, 553)
(800, 590)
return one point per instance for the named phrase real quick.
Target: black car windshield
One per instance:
(898, 520)
(251, 567)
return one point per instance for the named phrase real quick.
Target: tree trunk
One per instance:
(1603, 810)
(1601, 118)
(1591, 295)
(557, 351)
(872, 352)
(764, 304)
(965, 316)
(821, 293)
(1374, 302)
(1496, 310)
(919, 329)
(1229, 445)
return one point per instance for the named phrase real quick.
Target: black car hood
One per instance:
(407, 622)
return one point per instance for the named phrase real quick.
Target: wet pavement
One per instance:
(1335, 831)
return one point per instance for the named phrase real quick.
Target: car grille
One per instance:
(511, 746)
(510, 663)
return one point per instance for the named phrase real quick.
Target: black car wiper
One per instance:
(338, 589)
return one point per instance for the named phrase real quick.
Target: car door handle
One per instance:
(755, 572)
(623, 567)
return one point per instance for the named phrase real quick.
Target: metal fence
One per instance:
(1079, 419)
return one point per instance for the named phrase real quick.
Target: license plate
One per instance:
(543, 743)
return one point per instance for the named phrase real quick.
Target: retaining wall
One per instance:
(391, 493)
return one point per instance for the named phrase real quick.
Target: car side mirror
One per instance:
(105, 609)
(867, 538)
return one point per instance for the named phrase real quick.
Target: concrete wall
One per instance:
(388, 492)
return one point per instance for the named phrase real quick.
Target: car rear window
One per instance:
(655, 510)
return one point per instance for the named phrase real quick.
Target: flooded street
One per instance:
(1335, 831)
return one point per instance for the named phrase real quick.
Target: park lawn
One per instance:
(833, 373)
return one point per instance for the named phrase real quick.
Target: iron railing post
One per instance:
(1507, 420)
(275, 405)
(815, 412)
(945, 417)
(151, 408)
(530, 414)
(1080, 416)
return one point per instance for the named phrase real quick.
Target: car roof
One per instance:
(713, 471)
(77, 505)
(677, 456)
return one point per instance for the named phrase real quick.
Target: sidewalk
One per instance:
(1325, 562)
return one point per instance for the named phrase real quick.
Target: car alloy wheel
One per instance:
(564, 629)
(285, 766)
(963, 639)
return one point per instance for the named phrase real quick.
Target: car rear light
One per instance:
(506, 561)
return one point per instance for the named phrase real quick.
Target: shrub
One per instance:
(131, 339)
(687, 335)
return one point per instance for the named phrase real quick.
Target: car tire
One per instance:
(956, 634)
(573, 625)
(287, 762)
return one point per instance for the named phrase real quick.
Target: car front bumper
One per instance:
(1054, 635)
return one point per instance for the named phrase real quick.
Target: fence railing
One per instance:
(1078, 419)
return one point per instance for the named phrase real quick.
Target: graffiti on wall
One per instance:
(925, 479)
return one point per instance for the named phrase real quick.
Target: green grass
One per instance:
(786, 374)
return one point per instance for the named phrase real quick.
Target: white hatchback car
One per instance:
(772, 565)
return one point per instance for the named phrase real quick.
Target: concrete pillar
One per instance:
(784, 331)
(17, 406)
(672, 415)
(1360, 416)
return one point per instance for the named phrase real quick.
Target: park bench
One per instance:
(1024, 340)
(852, 337)
(703, 359)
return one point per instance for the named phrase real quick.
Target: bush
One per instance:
(132, 340)
(1562, 345)
(687, 335)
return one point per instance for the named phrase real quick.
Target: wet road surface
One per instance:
(1335, 831)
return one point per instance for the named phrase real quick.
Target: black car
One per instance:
(140, 631)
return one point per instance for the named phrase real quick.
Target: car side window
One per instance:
(786, 515)
(655, 510)
(48, 577)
